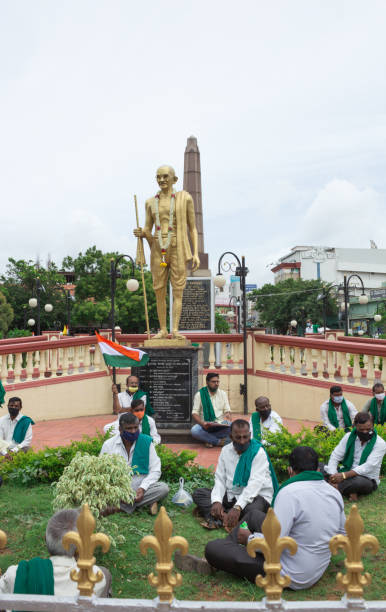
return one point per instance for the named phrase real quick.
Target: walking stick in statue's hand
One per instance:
(141, 258)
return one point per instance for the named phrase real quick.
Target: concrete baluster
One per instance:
(212, 355)
(87, 358)
(276, 357)
(223, 356)
(97, 359)
(356, 369)
(76, 363)
(17, 370)
(330, 364)
(319, 363)
(42, 363)
(4, 369)
(65, 361)
(370, 369)
(29, 367)
(287, 359)
(54, 362)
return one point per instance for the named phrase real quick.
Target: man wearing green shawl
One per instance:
(15, 429)
(359, 454)
(146, 423)
(308, 509)
(211, 413)
(139, 452)
(52, 576)
(377, 404)
(123, 400)
(337, 412)
(244, 479)
(264, 419)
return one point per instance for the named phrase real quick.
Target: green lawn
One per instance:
(24, 513)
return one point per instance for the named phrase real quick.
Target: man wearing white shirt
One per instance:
(146, 423)
(308, 509)
(229, 499)
(15, 429)
(138, 450)
(211, 413)
(264, 419)
(360, 454)
(63, 561)
(337, 412)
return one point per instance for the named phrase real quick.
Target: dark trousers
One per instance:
(202, 499)
(358, 484)
(227, 555)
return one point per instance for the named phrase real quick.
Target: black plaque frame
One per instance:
(171, 378)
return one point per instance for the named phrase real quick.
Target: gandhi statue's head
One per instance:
(166, 177)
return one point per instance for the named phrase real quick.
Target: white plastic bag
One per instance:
(182, 498)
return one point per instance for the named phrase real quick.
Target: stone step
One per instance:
(176, 436)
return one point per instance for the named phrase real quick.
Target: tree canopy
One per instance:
(291, 299)
(6, 315)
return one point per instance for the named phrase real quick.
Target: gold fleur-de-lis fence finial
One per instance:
(85, 542)
(3, 539)
(164, 545)
(354, 543)
(272, 545)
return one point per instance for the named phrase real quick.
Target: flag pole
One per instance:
(142, 258)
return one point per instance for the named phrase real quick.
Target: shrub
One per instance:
(180, 464)
(279, 445)
(98, 481)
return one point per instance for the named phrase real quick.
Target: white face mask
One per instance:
(379, 396)
(338, 399)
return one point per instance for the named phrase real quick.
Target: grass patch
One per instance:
(24, 513)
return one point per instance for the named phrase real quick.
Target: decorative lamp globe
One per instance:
(31, 322)
(132, 284)
(360, 332)
(32, 302)
(294, 323)
(48, 307)
(377, 318)
(219, 281)
(363, 299)
(117, 328)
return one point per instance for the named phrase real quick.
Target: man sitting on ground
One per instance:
(139, 452)
(15, 429)
(146, 423)
(264, 419)
(244, 480)
(360, 454)
(337, 411)
(52, 576)
(308, 509)
(212, 413)
(122, 401)
(377, 404)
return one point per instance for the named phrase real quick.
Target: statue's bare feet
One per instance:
(177, 336)
(161, 334)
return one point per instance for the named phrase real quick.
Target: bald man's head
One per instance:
(263, 407)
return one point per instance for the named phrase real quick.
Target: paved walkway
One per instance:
(62, 431)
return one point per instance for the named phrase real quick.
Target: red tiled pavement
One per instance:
(62, 431)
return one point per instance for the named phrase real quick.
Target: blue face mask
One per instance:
(338, 399)
(130, 437)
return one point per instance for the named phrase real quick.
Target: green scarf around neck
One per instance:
(35, 577)
(256, 427)
(348, 458)
(374, 411)
(207, 406)
(145, 425)
(244, 464)
(332, 416)
(2, 393)
(21, 429)
(140, 461)
(302, 476)
(138, 395)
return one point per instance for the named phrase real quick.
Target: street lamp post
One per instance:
(363, 299)
(237, 302)
(132, 285)
(219, 281)
(36, 303)
(69, 299)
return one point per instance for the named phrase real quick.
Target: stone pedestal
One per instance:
(171, 378)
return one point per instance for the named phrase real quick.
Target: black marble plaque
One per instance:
(197, 306)
(171, 378)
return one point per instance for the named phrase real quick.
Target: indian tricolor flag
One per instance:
(118, 356)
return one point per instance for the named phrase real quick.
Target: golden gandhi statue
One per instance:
(172, 215)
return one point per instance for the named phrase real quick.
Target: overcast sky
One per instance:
(287, 100)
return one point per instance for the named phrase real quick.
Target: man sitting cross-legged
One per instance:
(211, 413)
(360, 455)
(139, 452)
(264, 419)
(52, 576)
(308, 509)
(146, 423)
(244, 479)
